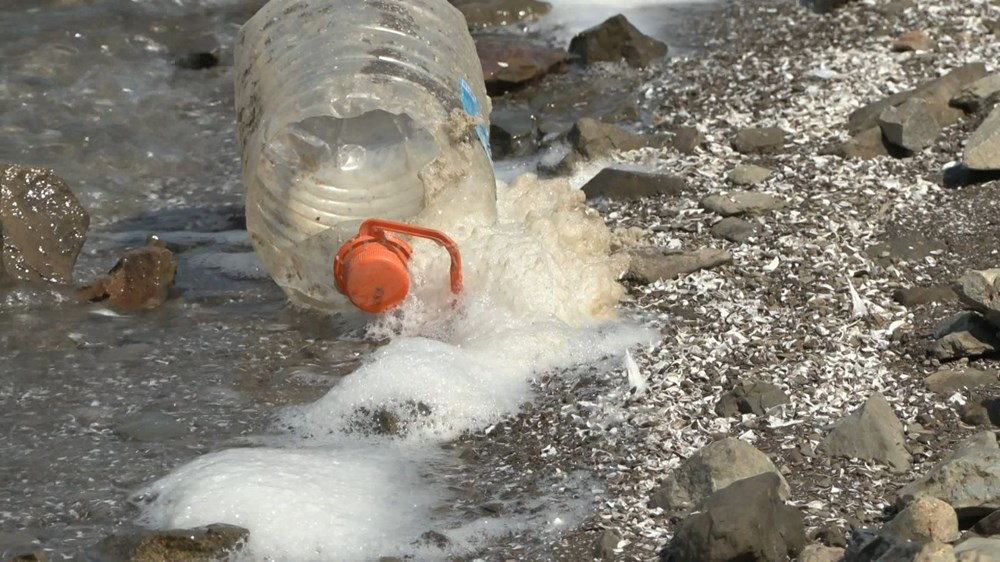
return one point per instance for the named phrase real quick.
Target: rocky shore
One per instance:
(816, 247)
(809, 202)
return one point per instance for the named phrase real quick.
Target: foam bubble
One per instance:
(541, 290)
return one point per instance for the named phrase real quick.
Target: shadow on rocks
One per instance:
(961, 176)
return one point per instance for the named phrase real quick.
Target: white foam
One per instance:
(649, 16)
(540, 294)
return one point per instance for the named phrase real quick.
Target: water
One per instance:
(270, 398)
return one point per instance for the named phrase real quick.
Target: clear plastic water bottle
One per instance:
(356, 109)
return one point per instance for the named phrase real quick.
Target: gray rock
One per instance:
(150, 427)
(978, 549)
(926, 520)
(42, 225)
(947, 381)
(751, 397)
(627, 185)
(512, 132)
(989, 525)
(202, 544)
(871, 546)
(918, 296)
(969, 480)
(982, 441)
(720, 532)
(820, 553)
(687, 139)
(605, 545)
(748, 174)
(937, 92)
(593, 139)
(978, 95)
(759, 140)
(825, 6)
(741, 203)
(964, 335)
(735, 230)
(873, 432)
(910, 125)
(651, 264)
(714, 467)
(982, 150)
(614, 40)
(979, 290)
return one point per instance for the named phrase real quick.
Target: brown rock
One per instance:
(917, 296)
(614, 40)
(509, 61)
(926, 520)
(913, 41)
(42, 225)
(687, 139)
(946, 381)
(141, 279)
(820, 553)
(864, 145)
(652, 264)
(203, 544)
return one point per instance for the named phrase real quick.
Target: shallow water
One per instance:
(91, 89)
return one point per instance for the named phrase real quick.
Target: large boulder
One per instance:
(937, 93)
(744, 521)
(982, 150)
(711, 469)
(925, 520)
(42, 225)
(872, 432)
(968, 480)
(614, 40)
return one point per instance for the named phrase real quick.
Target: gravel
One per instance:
(804, 307)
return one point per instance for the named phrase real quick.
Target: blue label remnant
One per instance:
(472, 106)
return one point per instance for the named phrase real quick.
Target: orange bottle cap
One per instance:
(373, 273)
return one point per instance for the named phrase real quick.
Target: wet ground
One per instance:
(131, 103)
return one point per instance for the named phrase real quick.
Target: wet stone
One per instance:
(593, 139)
(512, 132)
(509, 61)
(141, 279)
(202, 544)
(759, 140)
(494, 13)
(150, 427)
(42, 225)
(198, 61)
(435, 538)
(614, 40)
(735, 230)
(625, 185)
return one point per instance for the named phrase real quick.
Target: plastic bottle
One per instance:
(356, 109)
